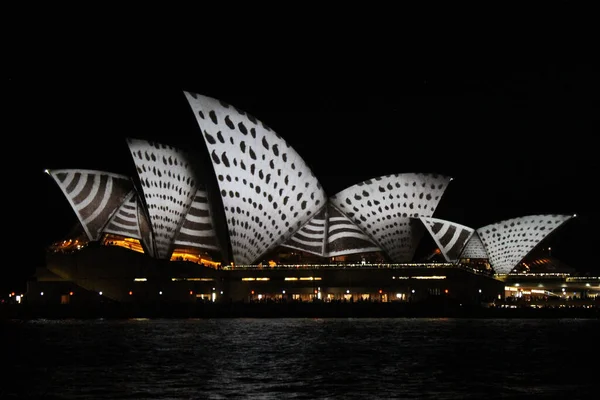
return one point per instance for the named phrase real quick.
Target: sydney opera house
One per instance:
(244, 219)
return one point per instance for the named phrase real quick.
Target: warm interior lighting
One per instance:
(192, 256)
(193, 279)
(120, 241)
(429, 277)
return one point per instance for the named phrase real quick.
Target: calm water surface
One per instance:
(300, 359)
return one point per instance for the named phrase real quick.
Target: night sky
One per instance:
(517, 139)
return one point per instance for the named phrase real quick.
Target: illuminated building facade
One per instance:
(257, 225)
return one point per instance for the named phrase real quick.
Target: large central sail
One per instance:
(268, 191)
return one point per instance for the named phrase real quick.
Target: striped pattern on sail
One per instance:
(94, 196)
(450, 237)
(125, 221)
(509, 241)
(311, 237)
(474, 248)
(345, 237)
(169, 186)
(197, 230)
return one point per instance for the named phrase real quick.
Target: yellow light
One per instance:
(70, 293)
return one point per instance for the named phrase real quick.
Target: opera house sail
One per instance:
(387, 209)
(449, 236)
(508, 242)
(176, 200)
(104, 202)
(268, 191)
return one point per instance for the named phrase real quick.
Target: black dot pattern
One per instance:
(474, 248)
(384, 207)
(268, 191)
(508, 242)
(168, 186)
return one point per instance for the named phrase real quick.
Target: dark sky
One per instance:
(517, 139)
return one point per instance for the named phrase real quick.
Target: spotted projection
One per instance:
(169, 188)
(384, 209)
(474, 248)
(330, 233)
(130, 221)
(268, 191)
(197, 230)
(508, 242)
(449, 236)
(93, 195)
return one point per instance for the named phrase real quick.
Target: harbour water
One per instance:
(300, 358)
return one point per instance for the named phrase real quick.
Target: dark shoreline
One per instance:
(288, 310)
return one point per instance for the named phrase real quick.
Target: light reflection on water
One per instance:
(300, 358)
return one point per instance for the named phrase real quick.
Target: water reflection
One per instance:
(300, 358)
